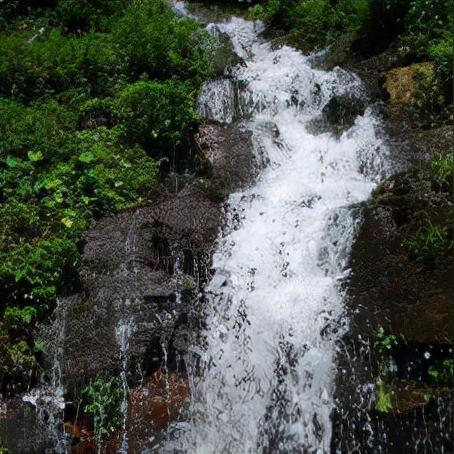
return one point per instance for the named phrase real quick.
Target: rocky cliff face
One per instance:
(143, 281)
(395, 364)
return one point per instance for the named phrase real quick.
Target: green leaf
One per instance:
(67, 222)
(52, 183)
(39, 346)
(433, 372)
(11, 161)
(35, 156)
(86, 157)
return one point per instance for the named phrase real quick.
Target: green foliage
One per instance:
(3, 448)
(52, 63)
(383, 341)
(442, 373)
(428, 17)
(104, 398)
(82, 15)
(15, 315)
(430, 239)
(93, 95)
(442, 53)
(152, 41)
(383, 396)
(428, 101)
(316, 22)
(18, 360)
(156, 113)
(442, 166)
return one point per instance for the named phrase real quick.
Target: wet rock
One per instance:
(152, 406)
(224, 57)
(137, 267)
(407, 294)
(226, 156)
(399, 82)
(21, 430)
(338, 115)
(218, 101)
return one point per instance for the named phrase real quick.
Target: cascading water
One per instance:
(48, 398)
(274, 309)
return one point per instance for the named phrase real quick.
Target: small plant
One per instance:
(384, 403)
(442, 373)
(429, 239)
(3, 449)
(104, 398)
(385, 342)
(442, 166)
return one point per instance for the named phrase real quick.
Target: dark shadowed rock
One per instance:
(143, 277)
(137, 267)
(411, 296)
(338, 115)
(226, 156)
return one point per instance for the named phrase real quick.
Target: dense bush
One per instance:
(93, 94)
(153, 41)
(424, 27)
(443, 54)
(53, 64)
(384, 22)
(317, 23)
(173, 108)
(82, 15)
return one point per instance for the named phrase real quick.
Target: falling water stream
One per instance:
(267, 362)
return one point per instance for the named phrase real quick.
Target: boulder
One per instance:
(338, 115)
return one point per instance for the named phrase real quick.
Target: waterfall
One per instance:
(266, 365)
(49, 397)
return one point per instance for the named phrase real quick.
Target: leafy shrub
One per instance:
(429, 18)
(53, 63)
(443, 55)
(82, 15)
(152, 41)
(104, 398)
(317, 22)
(428, 103)
(156, 113)
(443, 372)
(443, 166)
(382, 24)
(14, 315)
(55, 179)
(428, 240)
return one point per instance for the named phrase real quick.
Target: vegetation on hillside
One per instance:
(423, 28)
(94, 96)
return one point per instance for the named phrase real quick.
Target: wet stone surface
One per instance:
(143, 274)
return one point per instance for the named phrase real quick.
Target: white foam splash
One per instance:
(274, 309)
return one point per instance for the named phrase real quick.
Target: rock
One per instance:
(226, 156)
(137, 267)
(224, 56)
(218, 101)
(343, 110)
(399, 82)
(405, 295)
(152, 406)
(21, 430)
(338, 115)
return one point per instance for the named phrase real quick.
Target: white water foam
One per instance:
(275, 306)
